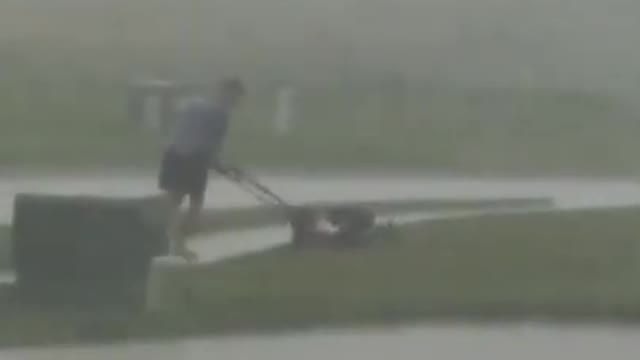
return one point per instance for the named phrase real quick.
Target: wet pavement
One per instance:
(446, 342)
(567, 191)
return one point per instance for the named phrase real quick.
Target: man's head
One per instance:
(230, 92)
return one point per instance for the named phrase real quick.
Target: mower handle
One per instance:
(251, 184)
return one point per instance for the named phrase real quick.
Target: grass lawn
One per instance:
(61, 109)
(64, 110)
(460, 134)
(548, 264)
(554, 265)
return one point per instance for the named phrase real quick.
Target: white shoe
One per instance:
(186, 254)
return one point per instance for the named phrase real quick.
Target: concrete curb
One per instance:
(258, 216)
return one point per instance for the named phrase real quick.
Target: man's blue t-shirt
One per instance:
(200, 130)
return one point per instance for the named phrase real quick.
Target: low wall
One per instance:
(85, 251)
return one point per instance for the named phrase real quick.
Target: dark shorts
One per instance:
(184, 173)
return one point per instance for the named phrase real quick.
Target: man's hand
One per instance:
(218, 166)
(227, 170)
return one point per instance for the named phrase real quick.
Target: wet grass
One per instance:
(540, 140)
(559, 266)
(74, 115)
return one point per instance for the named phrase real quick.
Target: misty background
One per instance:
(486, 85)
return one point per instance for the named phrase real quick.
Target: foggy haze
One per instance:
(539, 43)
(447, 101)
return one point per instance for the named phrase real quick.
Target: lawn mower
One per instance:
(312, 225)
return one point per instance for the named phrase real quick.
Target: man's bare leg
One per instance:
(175, 224)
(189, 225)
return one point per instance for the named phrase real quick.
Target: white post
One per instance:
(152, 113)
(283, 119)
(165, 288)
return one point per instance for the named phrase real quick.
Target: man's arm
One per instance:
(216, 162)
(225, 169)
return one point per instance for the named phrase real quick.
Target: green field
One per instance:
(475, 131)
(63, 102)
(578, 265)
(563, 266)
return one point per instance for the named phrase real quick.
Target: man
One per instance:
(194, 149)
